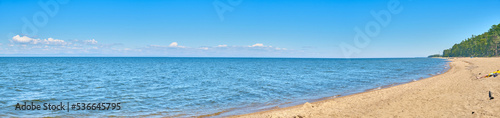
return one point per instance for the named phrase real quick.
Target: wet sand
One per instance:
(456, 93)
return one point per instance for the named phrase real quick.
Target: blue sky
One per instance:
(253, 28)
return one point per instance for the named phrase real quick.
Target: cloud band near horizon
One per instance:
(27, 46)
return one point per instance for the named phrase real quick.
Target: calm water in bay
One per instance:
(194, 86)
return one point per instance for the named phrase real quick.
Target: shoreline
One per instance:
(324, 99)
(311, 109)
(301, 102)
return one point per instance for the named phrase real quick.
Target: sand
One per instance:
(456, 93)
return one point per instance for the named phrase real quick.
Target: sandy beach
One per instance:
(456, 93)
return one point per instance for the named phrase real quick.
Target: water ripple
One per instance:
(194, 86)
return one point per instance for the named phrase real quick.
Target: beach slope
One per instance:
(456, 93)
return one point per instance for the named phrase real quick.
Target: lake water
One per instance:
(186, 87)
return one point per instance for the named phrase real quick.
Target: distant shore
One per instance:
(456, 93)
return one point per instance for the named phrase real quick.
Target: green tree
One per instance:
(484, 45)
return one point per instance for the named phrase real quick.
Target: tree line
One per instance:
(484, 45)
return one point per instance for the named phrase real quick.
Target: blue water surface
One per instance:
(185, 87)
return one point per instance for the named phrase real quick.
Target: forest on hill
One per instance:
(484, 45)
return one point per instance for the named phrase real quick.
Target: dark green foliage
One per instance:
(484, 45)
(434, 55)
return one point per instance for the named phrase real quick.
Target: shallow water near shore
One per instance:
(195, 86)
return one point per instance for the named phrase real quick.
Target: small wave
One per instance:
(38, 100)
(214, 114)
(56, 73)
(336, 96)
(35, 100)
(329, 71)
(398, 69)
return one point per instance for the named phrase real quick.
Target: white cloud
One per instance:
(280, 48)
(52, 41)
(222, 46)
(204, 48)
(93, 41)
(259, 45)
(172, 45)
(25, 45)
(49, 41)
(23, 39)
(175, 44)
